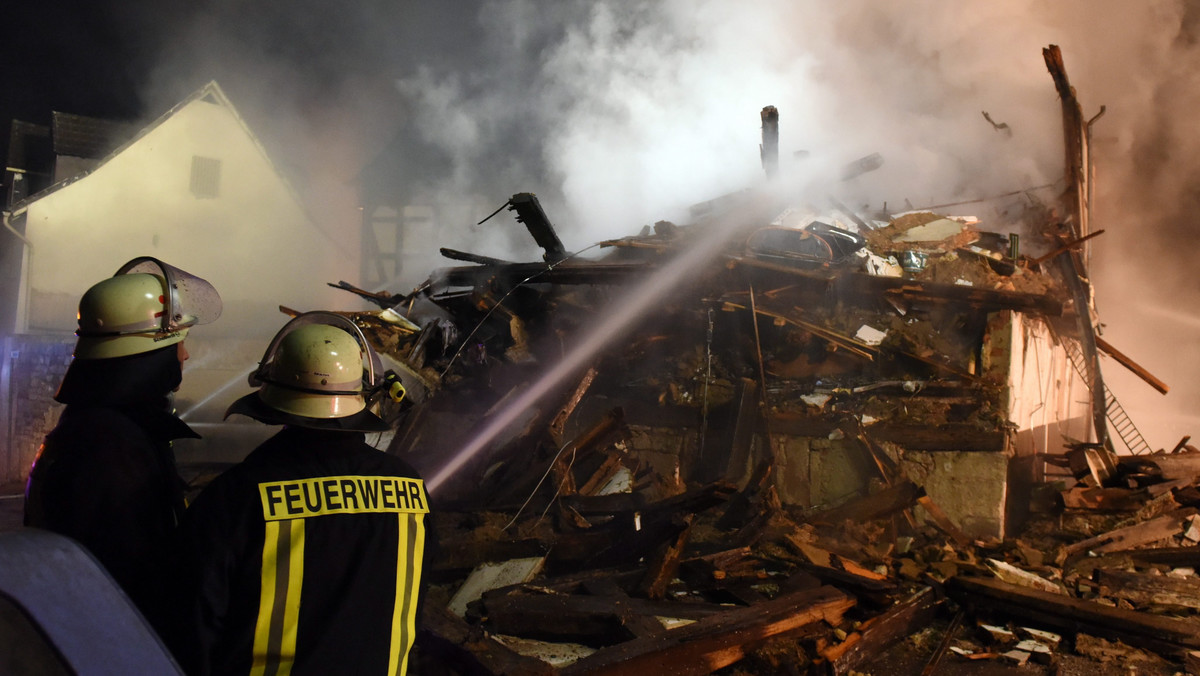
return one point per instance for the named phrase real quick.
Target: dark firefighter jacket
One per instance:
(106, 477)
(306, 558)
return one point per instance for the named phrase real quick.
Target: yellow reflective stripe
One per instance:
(410, 553)
(279, 599)
(291, 610)
(266, 600)
(321, 496)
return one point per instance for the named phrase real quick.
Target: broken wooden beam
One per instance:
(1175, 557)
(1158, 528)
(1130, 364)
(1145, 590)
(1065, 247)
(943, 437)
(1162, 634)
(942, 521)
(880, 632)
(664, 564)
(882, 503)
(717, 641)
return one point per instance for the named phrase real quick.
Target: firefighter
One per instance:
(306, 557)
(106, 474)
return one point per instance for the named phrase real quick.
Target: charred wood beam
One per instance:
(1171, 466)
(446, 640)
(1154, 632)
(852, 284)
(986, 300)
(943, 437)
(596, 620)
(881, 632)
(583, 444)
(833, 568)
(456, 255)
(942, 521)
(1175, 557)
(1075, 200)
(717, 641)
(744, 428)
(886, 502)
(529, 211)
(1073, 136)
(382, 298)
(1074, 244)
(1128, 537)
(663, 566)
(842, 341)
(1131, 364)
(1146, 590)
(621, 542)
(609, 468)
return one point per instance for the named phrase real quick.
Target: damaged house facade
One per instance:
(817, 352)
(778, 435)
(912, 347)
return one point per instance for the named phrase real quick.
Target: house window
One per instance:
(206, 176)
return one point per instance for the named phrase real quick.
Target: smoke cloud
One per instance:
(619, 114)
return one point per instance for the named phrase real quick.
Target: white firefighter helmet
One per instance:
(318, 372)
(146, 305)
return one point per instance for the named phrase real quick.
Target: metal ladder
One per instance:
(1122, 424)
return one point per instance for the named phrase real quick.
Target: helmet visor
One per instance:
(190, 299)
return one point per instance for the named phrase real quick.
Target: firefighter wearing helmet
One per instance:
(314, 515)
(106, 474)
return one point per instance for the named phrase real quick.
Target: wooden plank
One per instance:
(1158, 633)
(1158, 528)
(1144, 589)
(717, 641)
(942, 521)
(1175, 557)
(661, 568)
(886, 502)
(1173, 466)
(882, 631)
(944, 437)
(1129, 363)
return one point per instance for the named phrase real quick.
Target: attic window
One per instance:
(206, 176)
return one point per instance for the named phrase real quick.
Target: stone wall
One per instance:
(31, 368)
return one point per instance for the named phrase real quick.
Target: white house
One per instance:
(196, 189)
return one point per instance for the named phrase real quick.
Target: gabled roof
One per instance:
(210, 93)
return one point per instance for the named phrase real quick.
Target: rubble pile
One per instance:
(699, 583)
(643, 515)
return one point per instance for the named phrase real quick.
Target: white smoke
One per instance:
(621, 113)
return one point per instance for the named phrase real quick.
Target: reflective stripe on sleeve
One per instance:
(279, 600)
(408, 579)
